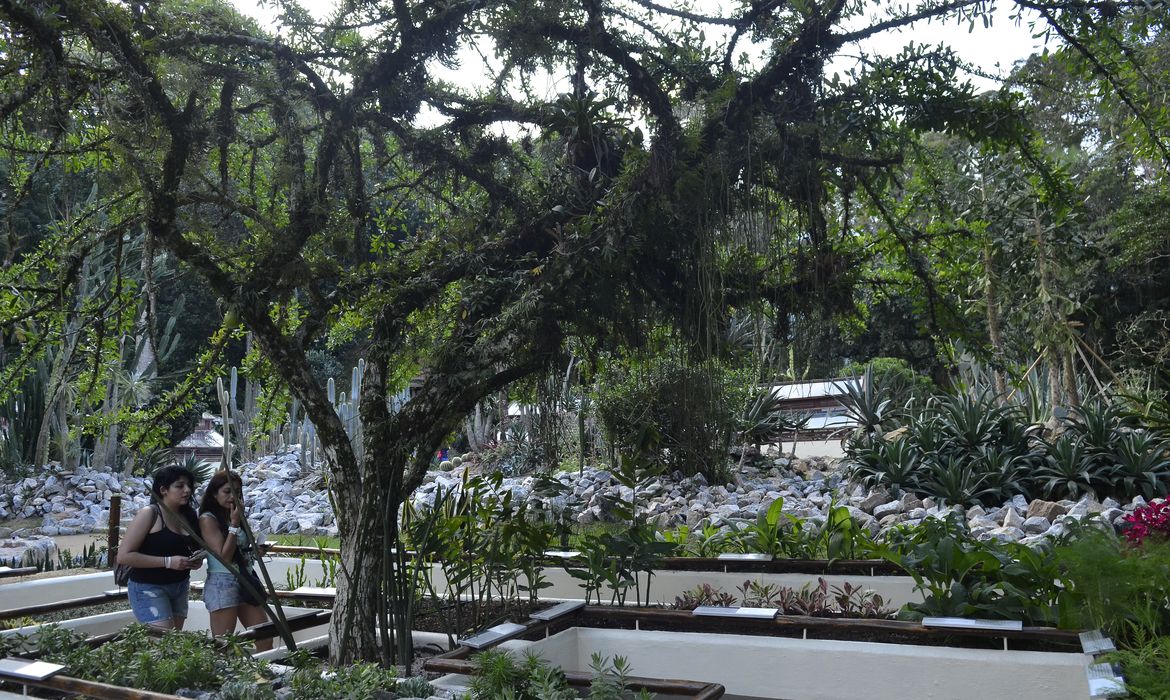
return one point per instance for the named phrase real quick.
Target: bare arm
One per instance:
(223, 547)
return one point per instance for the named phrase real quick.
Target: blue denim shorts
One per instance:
(153, 602)
(221, 591)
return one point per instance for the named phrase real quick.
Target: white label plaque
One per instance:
(971, 623)
(493, 635)
(720, 611)
(751, 556)
(558, 610)
(29, 670)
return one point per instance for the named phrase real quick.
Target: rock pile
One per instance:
(285, 496)
(71, 502)
(808, 489)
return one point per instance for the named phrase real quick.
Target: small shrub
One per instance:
(414, 687)
(704, 594)
(759, 595)
(501, 677)
(679, 415)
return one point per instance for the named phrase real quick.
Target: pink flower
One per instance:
(1148, 521)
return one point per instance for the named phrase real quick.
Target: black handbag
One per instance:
(244, 564)
(122, 571)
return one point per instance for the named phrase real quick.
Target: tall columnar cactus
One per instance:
(297, 428)
(227, 414)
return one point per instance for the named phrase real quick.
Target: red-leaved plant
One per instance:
(1152, 520)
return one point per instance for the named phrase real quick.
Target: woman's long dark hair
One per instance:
(168, 475)
(209, 504)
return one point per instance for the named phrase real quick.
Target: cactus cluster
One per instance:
(240, 424)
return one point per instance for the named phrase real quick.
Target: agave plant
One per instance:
(953, 480)
(1005, 474)
(1142, 465)
(925, 432)
(763, 421)
(1098, 425)
(894, 464)
(969, 421)
(863, 403)
(1067, 469)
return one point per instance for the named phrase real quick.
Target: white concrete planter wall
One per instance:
(753, 667)
(22, 594)
(664, 588)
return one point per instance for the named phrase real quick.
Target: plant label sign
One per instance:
(1094, 642)
(1103, 682)
(971, 623)
(751, 556)
(28, 670)
(558, 610)
(493, 635)
(720, 611)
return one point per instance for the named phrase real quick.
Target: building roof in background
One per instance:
(814, 390)
(202, 440)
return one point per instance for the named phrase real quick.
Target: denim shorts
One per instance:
(153, 602)
(221, 591)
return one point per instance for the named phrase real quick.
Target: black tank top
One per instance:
(163, 543)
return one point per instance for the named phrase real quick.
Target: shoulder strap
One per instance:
(153, 509)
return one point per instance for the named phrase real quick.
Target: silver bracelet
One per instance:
(166, 562)
(234, 530)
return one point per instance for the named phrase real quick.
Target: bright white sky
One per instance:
(994, 49)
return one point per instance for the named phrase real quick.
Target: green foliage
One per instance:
(619, 559)
(1115, 587)
(783, 535)
(893, 379)
(819, 599)
(501, 677)
(488, 547)
(1146, 668)
(701, 595)
(138, 660)
(359, 680)
(91, 556)
(963, 577)
(245, 689)
(866, 404)
(971, 448)
(674, 413)
(414, 687)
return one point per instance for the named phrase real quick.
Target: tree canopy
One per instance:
(326, 186)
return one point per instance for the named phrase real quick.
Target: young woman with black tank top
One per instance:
(157, 548)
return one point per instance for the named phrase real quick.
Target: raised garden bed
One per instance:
(774, 659)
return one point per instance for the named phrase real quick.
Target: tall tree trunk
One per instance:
(994, 326)
(1071, 392)
(354, 625)
(56, 393)
(1050, 316)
